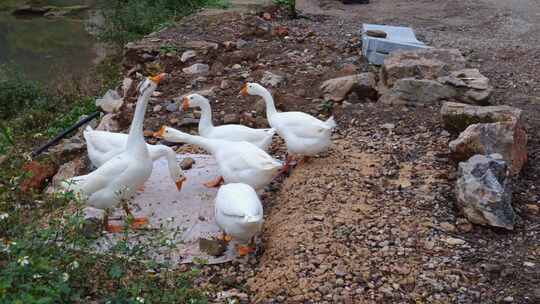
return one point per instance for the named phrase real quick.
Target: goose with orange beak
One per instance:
(303, 134)
(261, 138)
(238, 162)
(103, 146)
(117, 180)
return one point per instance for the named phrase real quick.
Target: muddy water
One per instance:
(46, 48)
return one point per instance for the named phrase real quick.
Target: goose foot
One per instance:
(289, 163)
(113, 228)
(214, 183)
(304, 160)
(139, 222)
(225, 237)
(244, 250)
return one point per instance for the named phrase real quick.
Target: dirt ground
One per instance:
(374, 221)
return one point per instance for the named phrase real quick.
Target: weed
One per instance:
(128, 20)
(290, 5)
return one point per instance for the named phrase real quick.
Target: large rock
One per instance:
(471, 85)
(484, 193)
(272, 79)
(73, 168)
(456, 117)
(36, 175)
(197, 68)
(110, 102)
(109, 122)
(428, 63)
(412, 90)
(507, 138)
(364, 84)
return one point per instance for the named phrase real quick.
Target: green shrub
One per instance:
(17, 93)
(128, 20)
(51, 261)
(289, 4)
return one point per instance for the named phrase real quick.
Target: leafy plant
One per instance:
(17, 93)
(290, 5)
(128, 20)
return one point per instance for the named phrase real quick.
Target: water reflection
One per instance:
(47, 47)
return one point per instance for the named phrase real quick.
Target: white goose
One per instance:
(239, 162)
(117, 179)
(239, 213)
(103, 146)
(261, 138)
(303, 134)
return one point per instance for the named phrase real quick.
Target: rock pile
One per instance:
(492, 140)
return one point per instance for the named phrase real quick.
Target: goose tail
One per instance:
(253, 218)
(330, 122)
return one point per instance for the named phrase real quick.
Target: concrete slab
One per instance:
(177, 219)
(375, 49)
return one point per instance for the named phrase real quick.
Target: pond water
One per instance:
(45, 48)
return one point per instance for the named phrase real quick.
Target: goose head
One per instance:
(251, 88)
(163, 132)
(192, 101)
(151, 83)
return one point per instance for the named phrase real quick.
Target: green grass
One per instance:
(45, 254)
(129, 20)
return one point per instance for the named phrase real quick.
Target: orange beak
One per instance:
(160, 133)
(158, 78)
(185, 103)
(244, 90)
(180, 182)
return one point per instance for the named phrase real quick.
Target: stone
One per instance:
(93, 222)
(197, 68)
(187, 163)
(241, 43)
(429, 63)
(36, 175)
(157, 108)
(69, 147)
(109, 123)
(212, 247)
(281, 31)
(272, 79)
(337, 89)
(261, 28)
(463, 225)
(508, 299)
(456, 117)
(201, 44)
(187, 55)
(189, 121)
(471, 85)
(225, 84)
(376, 33)
(231, 118)
(236, 66)
(533, 209)
(172, 107)
(28, 10)
(267, 16)
(110, 102)
(128, 87)
(70, 169)
(366, 87)
(483, 191)
(413, 91)
(507, 138)
(453, 241)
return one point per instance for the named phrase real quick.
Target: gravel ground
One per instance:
(373, 221)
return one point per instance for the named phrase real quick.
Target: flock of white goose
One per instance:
(124, 161)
